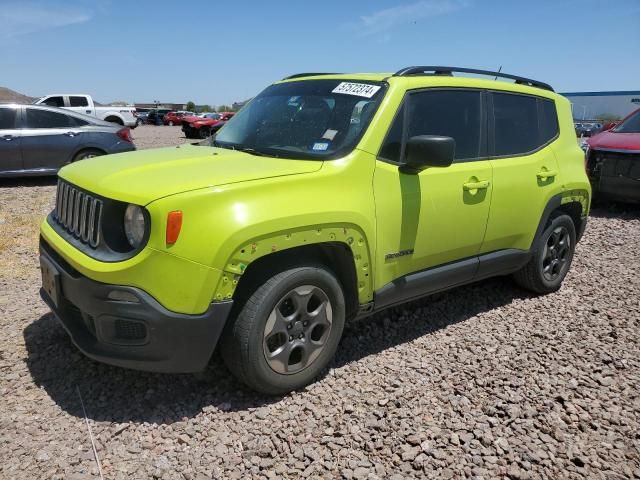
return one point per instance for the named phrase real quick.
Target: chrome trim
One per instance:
(79, 213)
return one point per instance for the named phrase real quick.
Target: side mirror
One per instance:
(425, 151)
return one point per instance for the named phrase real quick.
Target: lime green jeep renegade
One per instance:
(327, 197)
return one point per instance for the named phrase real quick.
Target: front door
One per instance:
(438, 216)
(49, 139)
(10, 156)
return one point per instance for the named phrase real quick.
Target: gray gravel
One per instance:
(484, 381)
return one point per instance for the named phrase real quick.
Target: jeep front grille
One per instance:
(79, 213)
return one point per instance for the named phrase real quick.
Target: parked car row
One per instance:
(39, 140)
(587, 129)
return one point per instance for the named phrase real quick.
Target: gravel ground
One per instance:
(484, 381)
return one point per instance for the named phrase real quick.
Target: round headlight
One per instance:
(134, 225)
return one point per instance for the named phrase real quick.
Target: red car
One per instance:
(613, 161)
(203, 127)
(173, 118)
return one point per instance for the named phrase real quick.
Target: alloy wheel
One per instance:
(297, 329)
(556, 254)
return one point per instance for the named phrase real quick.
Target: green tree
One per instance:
(191, 107)
(223, 108)
(204, 108)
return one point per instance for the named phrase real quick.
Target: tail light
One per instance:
(125, 134)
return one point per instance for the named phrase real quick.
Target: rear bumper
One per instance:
(130, 328)
(615, 174)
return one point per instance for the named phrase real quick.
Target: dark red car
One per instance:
(173, 118)
(203, 127)
(613, 161)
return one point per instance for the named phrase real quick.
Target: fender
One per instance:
(256, 248)
(570, 196)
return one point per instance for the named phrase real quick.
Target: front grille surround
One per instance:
(79, 213)
(94, 224)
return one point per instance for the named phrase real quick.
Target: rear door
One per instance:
(10, 139)
(49, 138)
(80, 104)
(524, 167)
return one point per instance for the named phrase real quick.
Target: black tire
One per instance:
(246, 343)
(204, 132)
(87, 153)
(170, 123)
(546, 270)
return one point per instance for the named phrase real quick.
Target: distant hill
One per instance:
(9, 96)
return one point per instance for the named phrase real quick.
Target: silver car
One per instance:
(39, 140)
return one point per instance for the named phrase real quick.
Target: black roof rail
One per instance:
(298, 75)
(449, 71)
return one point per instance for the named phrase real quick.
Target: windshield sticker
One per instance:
(357, 89)
(330, 134)
(320, 146)
(293, 101)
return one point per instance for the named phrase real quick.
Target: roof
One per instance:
(618, 93)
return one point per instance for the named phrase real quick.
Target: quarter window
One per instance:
(451, 113)
(7, 118)
(393, 142)
(45, 119)
(548, 120)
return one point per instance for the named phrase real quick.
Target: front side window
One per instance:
(54, 102)
(8, 118)
(78, 102)
(630, 125)
(45, 119)
(451, 113)
(311, 119)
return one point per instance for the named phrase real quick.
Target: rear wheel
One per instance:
(114, 120)
(551, 257)
(170, 123)
(88, 153)
(287, 331)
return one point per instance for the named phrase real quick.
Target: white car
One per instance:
(122, 115)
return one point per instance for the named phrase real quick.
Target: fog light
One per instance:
(122, 296)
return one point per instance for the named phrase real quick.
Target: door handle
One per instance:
(88, 111)
(481, 185)
(8, 138)
(544, 174)
(72, 134)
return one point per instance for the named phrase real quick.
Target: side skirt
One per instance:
(443, 277)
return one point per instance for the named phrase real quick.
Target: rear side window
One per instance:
(7, 118)
(452, 113)
(54, 102)
(46, 119)
(522, 123)
(78, 102)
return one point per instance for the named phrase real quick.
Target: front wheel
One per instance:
(287, 331)
(551, 256)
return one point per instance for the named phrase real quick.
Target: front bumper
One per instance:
(128, 328)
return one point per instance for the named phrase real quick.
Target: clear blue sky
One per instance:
(217, 52)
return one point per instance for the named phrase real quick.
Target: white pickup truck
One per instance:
(124, 115)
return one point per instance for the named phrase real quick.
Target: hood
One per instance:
(143, 176)
(615, 141)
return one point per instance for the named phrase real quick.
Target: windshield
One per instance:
(311, 119)
(630, 125)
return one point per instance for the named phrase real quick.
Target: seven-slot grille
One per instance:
(79, 213)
